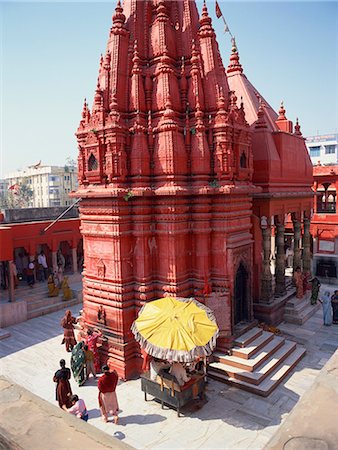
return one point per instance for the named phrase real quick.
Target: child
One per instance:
(78, 408)
(89, 358)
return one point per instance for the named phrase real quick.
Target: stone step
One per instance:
(47, 301)
(252, 363)
(303, 316)
(294, 301)
(47, 309)
(249, 336)
(263, 371)
(271, 382)
(253, 347)
(294, 310)
(4, 334)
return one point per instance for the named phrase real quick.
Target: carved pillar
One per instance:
(54, 261)
(11, 297)
(315, 200)
(280, 261)
(297, 261)
(306, 246)
(266, 279)
(74, 257)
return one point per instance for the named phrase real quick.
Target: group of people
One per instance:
(302, 282)
(32, 269)
(85, 360)
(179, 371)
(329, 302)
(330, 307)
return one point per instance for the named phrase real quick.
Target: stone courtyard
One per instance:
(229, 419)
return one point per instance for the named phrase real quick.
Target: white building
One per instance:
(51, 185)
(323, 148)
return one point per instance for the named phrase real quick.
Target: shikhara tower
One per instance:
(165, 176)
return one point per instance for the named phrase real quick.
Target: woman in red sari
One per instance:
(91, 340)
(63, 389)
(68, 334)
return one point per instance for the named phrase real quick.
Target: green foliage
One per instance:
(128, 196)
(214, 184)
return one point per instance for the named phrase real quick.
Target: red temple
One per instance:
(181, 180)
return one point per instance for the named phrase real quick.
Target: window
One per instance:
(242, 161)
(92, 163)
(315, 151)
(330, 149)
(54, 178)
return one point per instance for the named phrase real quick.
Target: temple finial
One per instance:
(281, 111)
(205, 20)
(297, 128)
(118, 18)
(234, 64)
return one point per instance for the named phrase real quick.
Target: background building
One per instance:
(324, 223)
(44, 186)
(323, 148)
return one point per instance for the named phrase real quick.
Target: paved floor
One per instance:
(231, 418)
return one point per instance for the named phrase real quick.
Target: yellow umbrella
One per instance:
(177, 329)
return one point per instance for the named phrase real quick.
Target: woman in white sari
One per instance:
(327, 310)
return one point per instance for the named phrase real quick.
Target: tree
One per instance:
(70, 163)
(20, 197)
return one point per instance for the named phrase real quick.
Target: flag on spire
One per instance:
(218, 11)
(218, 15)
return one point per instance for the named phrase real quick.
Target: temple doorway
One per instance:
(241, 310)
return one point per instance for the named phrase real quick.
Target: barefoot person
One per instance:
(107, 395)
(327, 312)
(89, 359)
(78, 363)
(91, 341)
(67, 323)
(63, 389)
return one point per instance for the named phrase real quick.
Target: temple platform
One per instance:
(34, 302)
(233, 416)
(298, 311)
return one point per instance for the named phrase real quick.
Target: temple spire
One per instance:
(261, 119)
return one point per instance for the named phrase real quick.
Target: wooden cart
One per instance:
(169, 392)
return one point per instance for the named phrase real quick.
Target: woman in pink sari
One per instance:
(91, 340)
(299, 279)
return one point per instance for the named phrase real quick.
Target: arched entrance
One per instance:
(241, 304)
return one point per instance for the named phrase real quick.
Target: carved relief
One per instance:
(101, 315)
(101, 269)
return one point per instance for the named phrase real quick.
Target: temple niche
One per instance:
(179, 183)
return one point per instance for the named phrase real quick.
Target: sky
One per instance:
(50, 52)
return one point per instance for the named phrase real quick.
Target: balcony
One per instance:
(329, 208)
